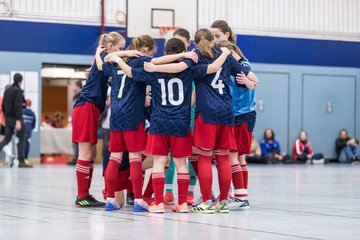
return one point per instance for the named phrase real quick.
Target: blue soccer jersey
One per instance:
(95, 88)
(243, 99)
(127, 96)
(213, 98)
(171, 99)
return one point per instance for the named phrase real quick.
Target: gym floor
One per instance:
(287, 202)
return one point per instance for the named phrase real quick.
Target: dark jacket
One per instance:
(29, 121)
(12, 105)
(340, 143)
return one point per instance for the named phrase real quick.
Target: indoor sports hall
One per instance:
(192, 119)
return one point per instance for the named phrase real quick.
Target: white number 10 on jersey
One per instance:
(170, 87)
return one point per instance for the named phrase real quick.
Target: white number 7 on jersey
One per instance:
(218, 84)
(122, 85)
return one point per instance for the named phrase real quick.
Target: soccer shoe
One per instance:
(157, 208)
(190, 199)
(111, 205)
(181, 208)
(199, 200)
(24, 165)
(222, 207)
(88, 201)
(204, 207)
(238, 205)
(129, 198)
(169, 198)
(140, 206)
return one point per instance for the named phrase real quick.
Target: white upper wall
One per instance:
(319, 19)
(87, 12)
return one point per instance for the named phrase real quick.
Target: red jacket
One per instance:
(298, 149)
(2, 118)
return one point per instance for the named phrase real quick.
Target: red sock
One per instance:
(136, 175)
(245, 175)
(183, 180)
(83, 177)
(224, 172)
(238, 181)
(149, 188)
(158, 182)
(205, 173)
(111, 176)
(193, 159)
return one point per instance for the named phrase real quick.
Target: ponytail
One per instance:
(233, 47)
(203, 39)
(205, 48)
(139, 42)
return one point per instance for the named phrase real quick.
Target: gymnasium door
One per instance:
(272, 96)
(328, 103)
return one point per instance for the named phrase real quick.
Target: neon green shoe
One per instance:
(222, 207)
(204, 207)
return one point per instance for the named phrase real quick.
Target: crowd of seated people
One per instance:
(270, 152)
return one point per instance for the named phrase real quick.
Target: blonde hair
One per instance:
(141, 41)
(111, 37)
(203, 39)
(232, 46)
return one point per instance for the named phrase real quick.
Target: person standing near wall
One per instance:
(77, 90)
(9, 157)
(12, 109)
(29, 124)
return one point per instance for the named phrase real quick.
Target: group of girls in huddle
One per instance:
(223, 121)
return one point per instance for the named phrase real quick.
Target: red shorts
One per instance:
(85, 122)
(161, 144)
(213, 136)
(243, 139)
(123, 180)
(128, 140)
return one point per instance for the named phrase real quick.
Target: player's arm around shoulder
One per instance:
(175, 57)
(123, 65)
(217, 64)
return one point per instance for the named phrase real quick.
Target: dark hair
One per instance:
(344, 130)
(173, 46)
(224, 28)
(183, 33)
(17, 78)
(79, 84)
(272, 134)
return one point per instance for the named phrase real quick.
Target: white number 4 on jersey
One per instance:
(217, 83)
